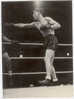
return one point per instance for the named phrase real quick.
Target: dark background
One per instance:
(21, 12)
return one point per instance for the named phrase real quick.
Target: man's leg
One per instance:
(50, 70)
(53, 73)
(47, 80)
(7, 68)
(6, 62)
(47, 64)
(48, 67)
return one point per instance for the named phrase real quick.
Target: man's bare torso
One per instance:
(44, 29)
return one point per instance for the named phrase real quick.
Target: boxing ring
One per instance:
(34, 90)
(57, 91)
(37, 58)
(27, 58)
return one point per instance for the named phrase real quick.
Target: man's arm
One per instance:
(21, 25)
(53, 24)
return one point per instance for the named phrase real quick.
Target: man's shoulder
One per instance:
(35, 23)
(48, 18)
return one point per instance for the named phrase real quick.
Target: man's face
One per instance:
(36, 15)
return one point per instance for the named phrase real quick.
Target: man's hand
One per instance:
(21, 25)
(6, 39)
(9, 24)
(52, 23)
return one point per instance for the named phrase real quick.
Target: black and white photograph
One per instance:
(37, 48)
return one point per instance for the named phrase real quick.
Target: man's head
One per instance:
(36, 14)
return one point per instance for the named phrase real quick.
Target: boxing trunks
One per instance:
(50, 42)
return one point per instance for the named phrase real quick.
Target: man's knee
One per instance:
(49, 60)
(6, 56)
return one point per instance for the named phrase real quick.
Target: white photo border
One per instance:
(1, 81)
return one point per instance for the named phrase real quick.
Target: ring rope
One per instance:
(12, 58)
(35, 44)
(29, 73)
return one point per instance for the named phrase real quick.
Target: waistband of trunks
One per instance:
(49, 35)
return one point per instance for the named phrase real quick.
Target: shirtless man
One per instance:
(47, 27)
